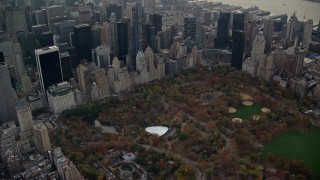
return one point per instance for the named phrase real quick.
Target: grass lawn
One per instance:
(245, 112)
(295, 144)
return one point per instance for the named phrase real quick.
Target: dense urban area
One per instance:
(167, 89)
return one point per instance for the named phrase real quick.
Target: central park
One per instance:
(220, 123)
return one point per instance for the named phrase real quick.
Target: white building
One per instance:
(250, 64)
(60, 97)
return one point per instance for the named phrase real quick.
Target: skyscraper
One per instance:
(65, 28)
(7, 101)
(308, 27)
(298, 59)
(24, 115)
(84, 79)
(113, 8)
(289, 33)
(113, 34)
(41, 137)
(268, 32)
(83, 41)
(223, 30)
(96, 35)
(238, 39)
(123, 40)
(52, 13)
(238, 21)
(15, 21)
(189, 27)
(49, 66)
(66, 66)
(137, 19)
(156, 20)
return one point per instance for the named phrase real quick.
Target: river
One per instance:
(312, 9)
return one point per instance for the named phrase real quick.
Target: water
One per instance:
(311, 9)
(105, 129)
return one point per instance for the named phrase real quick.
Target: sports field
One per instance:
(245, 112)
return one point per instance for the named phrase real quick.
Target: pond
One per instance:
(105, 129)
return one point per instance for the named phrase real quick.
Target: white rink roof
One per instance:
(157, 130)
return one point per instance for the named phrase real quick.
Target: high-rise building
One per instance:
(8, 144)
(123, 40)
(268, 32)
(71, 172)
(60, 97)
(289, 37)
(39, 17)
(189, 27)
(49, 66)
(15, 21)
(101, 56)
(84, 78)
(83, 41)
(7, 101)
(66, 66)
(258, 48)
(223, 30)
(238, 21)
(41, 137)
(24, 115)
(96, 35)
(238, 39)
(85, 15)
(97, 16)
(65, 28)
(156, 20)
(137, 19)
(102, 83)
(54, 12)
(308, 27)
(113, 35)
(46, 39)
(38, 30)
(298, 59)
(199, 33)
(113, 8)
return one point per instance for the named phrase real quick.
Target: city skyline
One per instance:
(81, 81)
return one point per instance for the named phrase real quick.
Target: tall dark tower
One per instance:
(189, 27)
(238, 39)
(83, 41)
(123, 41)
(49, 66)
(223, 30)
(113, 8)
(136, 25)
(238, 21)
(7, 101)
(156, 20)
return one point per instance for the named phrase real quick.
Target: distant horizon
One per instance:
(302, 7)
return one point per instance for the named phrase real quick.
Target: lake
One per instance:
(312, 9)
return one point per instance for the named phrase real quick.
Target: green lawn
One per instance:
(245, 112)
(295, 144)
